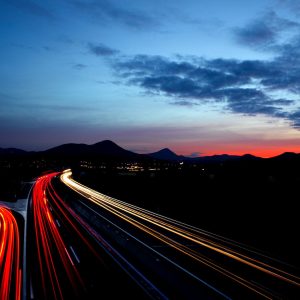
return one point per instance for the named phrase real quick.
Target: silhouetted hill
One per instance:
(12, 151)
(250, 157)
(109, 149)
(217, 158)
(286, 156)
(166, 154)
(71, 149)
(105, 148)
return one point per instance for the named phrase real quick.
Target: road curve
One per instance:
(247, 272)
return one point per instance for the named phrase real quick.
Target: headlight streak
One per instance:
(205, 239)
(185, 250)
(10, 269)
(156, 252)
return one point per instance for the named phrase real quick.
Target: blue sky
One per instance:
(201, 77)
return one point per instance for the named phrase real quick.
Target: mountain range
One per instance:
(104, 148)
(109, 149)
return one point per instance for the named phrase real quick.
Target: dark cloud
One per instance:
(250, 102)
(289, 53)
(32, 7)
(254, 69)
(288, 81)
(264, 31)
(294, 117)
(184, 103)
(256, 34)
(101, 50)
(276, 34)
(103, 10)
(279, 36)
(172, 85)
(144, 64)
(244, 87)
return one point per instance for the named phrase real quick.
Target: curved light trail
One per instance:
(51, 246)
(10, 269)
(176, 235)
(59, 266)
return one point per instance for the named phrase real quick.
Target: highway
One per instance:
(69, 259)
(82, 244)
(10, 267)
(225, 267)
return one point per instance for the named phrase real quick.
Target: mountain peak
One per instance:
(165, 154)
(108, 147)
(166, 150)
(286, 155)
(12, 151)
(105, 142)
(248, 156)
(104, 148)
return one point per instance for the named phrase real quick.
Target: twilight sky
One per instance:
(200, 77)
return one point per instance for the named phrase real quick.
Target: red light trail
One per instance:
(10, 271)
(50, 244)
(55, 226)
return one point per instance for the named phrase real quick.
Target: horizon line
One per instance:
(239, 153)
